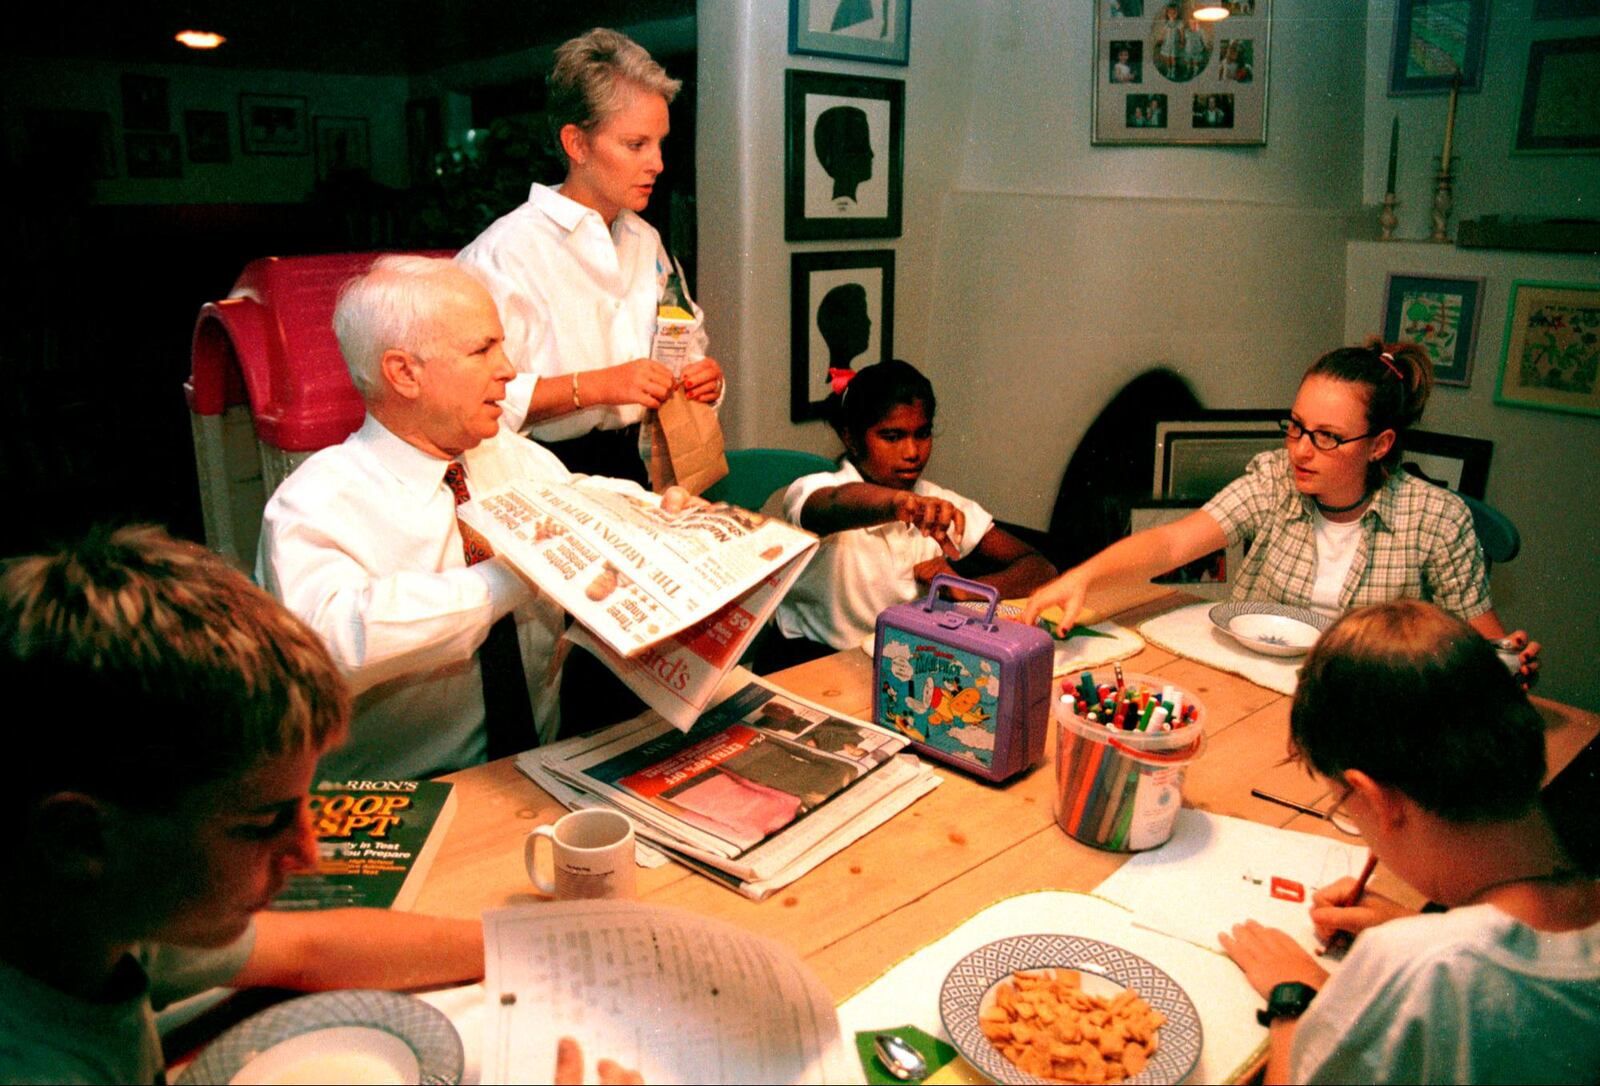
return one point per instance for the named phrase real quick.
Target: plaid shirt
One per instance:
(1417, 542)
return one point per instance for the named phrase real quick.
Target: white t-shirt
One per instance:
(573, 296)
(1471, 995)
(858, 573)
(1336, 551)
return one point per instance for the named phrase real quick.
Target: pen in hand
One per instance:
(1340, 940)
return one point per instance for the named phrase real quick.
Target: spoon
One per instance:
(900, 1059)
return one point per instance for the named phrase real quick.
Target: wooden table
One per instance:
(964, 846)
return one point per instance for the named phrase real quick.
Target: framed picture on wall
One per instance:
(144, 102)
(273, 124)
(841, 317)
(206, 131)
(843, 166)
(1560, 107)
(1552, 351)
(1440, 314)
(343, 147)
(875, 30)
(1209, 577)
(152, 154)
(1163, 76)
(1448, 460)
(1434, 42)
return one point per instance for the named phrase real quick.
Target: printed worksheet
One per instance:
(1217, 871)
(677, 996)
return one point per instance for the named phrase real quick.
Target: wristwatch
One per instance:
(1288, 1000)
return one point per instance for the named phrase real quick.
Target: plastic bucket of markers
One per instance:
(1120, 790)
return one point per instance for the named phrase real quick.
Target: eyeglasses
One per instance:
(1332, 815)
(1320, 439)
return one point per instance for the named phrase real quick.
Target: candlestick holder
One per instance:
(1442, 183)
(1387, 219)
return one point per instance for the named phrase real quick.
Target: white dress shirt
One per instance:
(362, 543)
(857, 573)
(573, 296)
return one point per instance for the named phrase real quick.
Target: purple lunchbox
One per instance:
(969, 689)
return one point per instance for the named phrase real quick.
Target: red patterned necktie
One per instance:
(473, 546)
(508, 717)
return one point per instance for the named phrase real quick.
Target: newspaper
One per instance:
(676, 996)
(669, 601)
(763, 788)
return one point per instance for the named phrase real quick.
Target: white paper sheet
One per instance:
(1217, 871)
(679, 997)
(1190, 633)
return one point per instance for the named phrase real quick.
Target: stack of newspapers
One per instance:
(762, 788)
(728, 774)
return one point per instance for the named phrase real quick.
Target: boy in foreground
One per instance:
(1433, 752)
(159, 806)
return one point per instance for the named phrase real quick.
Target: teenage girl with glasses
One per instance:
(1330, 522)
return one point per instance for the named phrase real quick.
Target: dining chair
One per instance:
(754, 474)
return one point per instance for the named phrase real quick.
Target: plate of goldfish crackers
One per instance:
(1066, 1008)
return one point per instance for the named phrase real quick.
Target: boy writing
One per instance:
(178, 712)
(1433, 752)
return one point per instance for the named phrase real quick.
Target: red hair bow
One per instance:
(839, 379)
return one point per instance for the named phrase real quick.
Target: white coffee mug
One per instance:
(592, 855)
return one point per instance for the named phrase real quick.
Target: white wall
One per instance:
(1036, 273)
(1489, 178)
(38, 83)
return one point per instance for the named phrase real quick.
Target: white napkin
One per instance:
(1190, 633)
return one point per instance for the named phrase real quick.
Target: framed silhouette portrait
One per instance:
(1164, 75)
(875, 30)
(841, 317)
(843, 166)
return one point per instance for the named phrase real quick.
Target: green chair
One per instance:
(753, 474)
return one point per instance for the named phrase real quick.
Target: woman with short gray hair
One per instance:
(578, 275)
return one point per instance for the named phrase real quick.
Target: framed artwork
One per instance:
(1440, 314)
(841, 317)
(1560, 98)
(1199, 455)
(71, 143)
(1448, 460)
(144, 102)
(206, 131)
(152, 154)
(1162, 76)
(343, 146)
(1434, 42)
(1552, 351)
(273, 124)
(1207, 577)
(843, 166)
(873, 30)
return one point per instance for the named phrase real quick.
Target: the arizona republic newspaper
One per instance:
(668, 600)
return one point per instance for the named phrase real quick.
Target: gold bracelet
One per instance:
(577, 404)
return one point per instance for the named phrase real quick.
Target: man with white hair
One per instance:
(432, 631)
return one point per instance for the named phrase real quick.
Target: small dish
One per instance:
(1275, 629)
(1106, 969)
(346, 1036)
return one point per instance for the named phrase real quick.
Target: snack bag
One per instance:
(685, 436)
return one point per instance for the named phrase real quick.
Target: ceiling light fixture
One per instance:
(1211, 12)
(199, 39)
